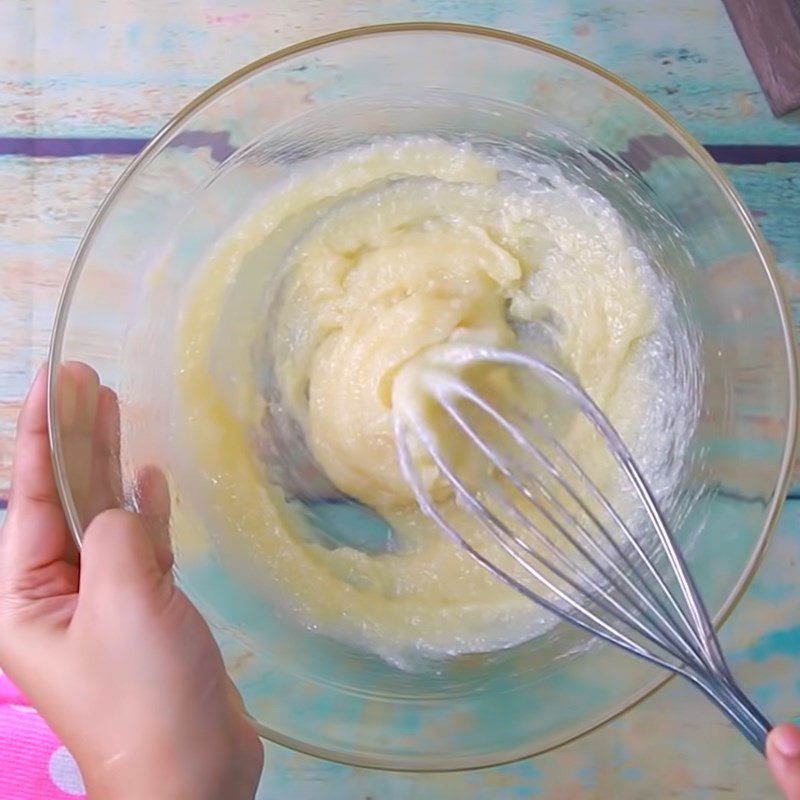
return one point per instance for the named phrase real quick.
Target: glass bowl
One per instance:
(204, 171)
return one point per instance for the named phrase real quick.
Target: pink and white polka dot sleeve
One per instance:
(34, 765)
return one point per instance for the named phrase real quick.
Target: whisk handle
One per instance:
(740, 710)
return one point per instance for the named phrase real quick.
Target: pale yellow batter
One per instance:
(345, 276)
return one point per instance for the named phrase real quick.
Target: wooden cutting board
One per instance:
(770, 33)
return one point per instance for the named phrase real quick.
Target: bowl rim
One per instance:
(695, 150)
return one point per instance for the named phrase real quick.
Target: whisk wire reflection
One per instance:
(531, 514)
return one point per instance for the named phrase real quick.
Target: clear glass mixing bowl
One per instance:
(203, 172)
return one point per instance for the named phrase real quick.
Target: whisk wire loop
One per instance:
(533, 516)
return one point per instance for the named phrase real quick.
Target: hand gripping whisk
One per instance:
(501, 484)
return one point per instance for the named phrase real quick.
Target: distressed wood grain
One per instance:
(45, 206)
(127, 66)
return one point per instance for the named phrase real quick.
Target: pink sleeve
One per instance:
(34, 765)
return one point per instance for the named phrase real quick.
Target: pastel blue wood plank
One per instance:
(772, 193)
(148, 61)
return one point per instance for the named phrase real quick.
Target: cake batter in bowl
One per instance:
(381, 192)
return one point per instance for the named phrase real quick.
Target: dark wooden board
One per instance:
(770, 34)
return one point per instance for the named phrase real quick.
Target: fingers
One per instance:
(90, 444)
(119, 554)
(106, 478)
(36, 533)
(36, 539)
(153, 504)
(87, 440)
(783, 754)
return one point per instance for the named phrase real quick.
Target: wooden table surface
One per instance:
(84, 83)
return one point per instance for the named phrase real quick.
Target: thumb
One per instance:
(783, 754)
(118, 552)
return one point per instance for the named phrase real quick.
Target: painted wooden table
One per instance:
(84, 83)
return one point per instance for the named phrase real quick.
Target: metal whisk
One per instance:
(529, 512)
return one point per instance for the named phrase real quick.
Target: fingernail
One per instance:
(108, 410)
(67, 397)
(786, 739)
(153, 492)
